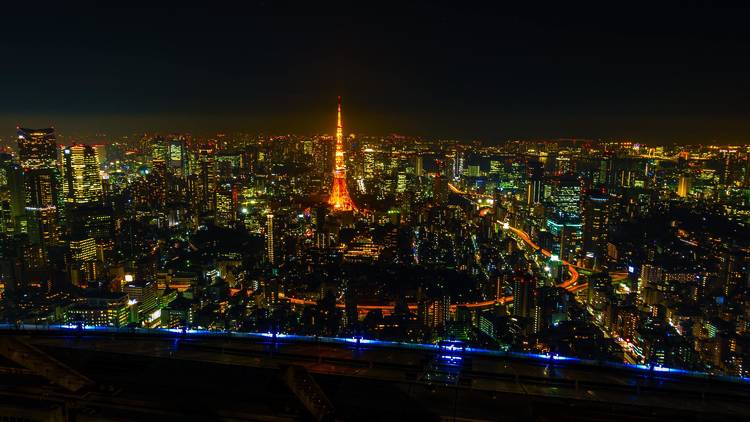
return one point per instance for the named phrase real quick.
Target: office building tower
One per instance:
(684, 185)
(226, 205)
(368, 163)
(143, 294)
(534, 190)
(595, 224)
(37, 148)
(82, 260)
(419, 165)
(100, 150)
(12, 194)
(41, 218)
(82, 183)
(434, 313)
(206, 177)
(565, 195)
(177, 155)
(159, 148)
(270, 245)
(566, 229)
(523, 295)
(459, 164)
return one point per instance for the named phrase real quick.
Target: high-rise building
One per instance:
(37, 148)
(159, 148)
(83, 250)
(434, 313)
(651, 277)
(534, 190)
(142, 293)
(81, 181)
(42, 202)
(595, 223)
(369, 163)
(440, 189)
(82, 260)
(401, 182)
(535, 182)
(566, 230)
(206, 182)
(684, 185)
(419, 165)
(270, 246)
(729, 166)
(550, 307)
(339, 198)
(101, 154)
(12, 194)
(565, 195)
(459, 164)
(604, 170)
(226, 205)
(523, 295)
(92, 220)
(177, 155)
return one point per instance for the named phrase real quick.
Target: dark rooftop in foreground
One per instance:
(230, 378)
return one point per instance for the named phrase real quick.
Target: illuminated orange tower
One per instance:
(340, 199)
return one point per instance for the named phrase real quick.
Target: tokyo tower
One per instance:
(340, 199)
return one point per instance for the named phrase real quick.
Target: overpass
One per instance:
(137, 376)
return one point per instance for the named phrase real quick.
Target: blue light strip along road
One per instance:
(453, 349)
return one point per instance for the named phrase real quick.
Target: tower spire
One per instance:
(339, 125)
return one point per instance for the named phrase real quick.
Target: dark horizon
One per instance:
(656, 74)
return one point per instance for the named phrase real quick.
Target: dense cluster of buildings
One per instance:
(599, 249)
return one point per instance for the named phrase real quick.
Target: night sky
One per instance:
(676, 72)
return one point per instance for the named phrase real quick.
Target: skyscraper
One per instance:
(12, 194)
(535, 186)
(523, 295)
(206, 173)
(177, 156)
(459, 163)
(339, 198)
(101, 154)
(684, 185)
(37, 153)
(82, 260)
(369, 163)
(419, 165)
(42, 200)
(37, 148)
(595, 223)
(270, 246)
(81, 181)
(565, 195)
(159, 149)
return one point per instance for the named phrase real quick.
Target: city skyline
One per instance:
(492, 75)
